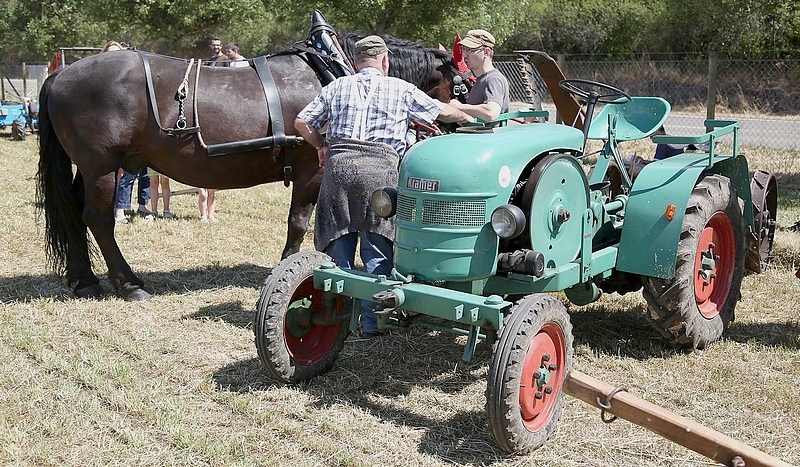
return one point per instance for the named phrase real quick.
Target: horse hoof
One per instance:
(91, 291)
(136, 295)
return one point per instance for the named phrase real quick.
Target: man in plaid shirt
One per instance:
(367, 116)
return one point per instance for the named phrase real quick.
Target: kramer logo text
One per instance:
(422, 184)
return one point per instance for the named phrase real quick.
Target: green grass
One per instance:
(176, 380)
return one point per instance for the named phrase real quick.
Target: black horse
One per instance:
(97, 113)
(431, 70)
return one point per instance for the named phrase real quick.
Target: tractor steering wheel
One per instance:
(579, 88)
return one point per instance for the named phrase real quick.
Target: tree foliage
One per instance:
(31, 30)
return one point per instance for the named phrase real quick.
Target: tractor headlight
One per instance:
(384, 202)
(508, 221)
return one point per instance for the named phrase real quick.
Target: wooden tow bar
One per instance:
(692, 435)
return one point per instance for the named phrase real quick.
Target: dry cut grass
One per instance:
(176, 381)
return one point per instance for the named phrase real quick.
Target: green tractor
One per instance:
(491, 219)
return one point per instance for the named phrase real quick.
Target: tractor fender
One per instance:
(649, 241)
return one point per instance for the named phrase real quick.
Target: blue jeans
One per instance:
(376, 254)
(125, 186)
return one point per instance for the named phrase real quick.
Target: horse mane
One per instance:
(408, 61)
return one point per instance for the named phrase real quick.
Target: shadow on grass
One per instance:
(27, 287)
(245, 375)
(234, 313)
(417, 365)
(627, 334)
(622, 333)
(785, 334)
(411, 367)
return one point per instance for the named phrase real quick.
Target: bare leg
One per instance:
(166, 192)
(154, 194)
(202, 196)
(212, 204)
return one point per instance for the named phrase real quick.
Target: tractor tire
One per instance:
(535, 338)
(693, 308)
(293, 351)
(18, 131)
(764, 189)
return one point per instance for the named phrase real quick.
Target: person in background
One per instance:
(31, 111)
(114, 45)
(157, 179)
(488, 97)
(217, 57)
(124, 192)
(207, 203)
(206, 199)
(367, 115)
(232, 52)
(664, 150)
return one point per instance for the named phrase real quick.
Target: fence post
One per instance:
(24, 79)
(2, 86)
(711, 101)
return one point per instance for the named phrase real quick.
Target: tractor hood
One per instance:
(480, 160)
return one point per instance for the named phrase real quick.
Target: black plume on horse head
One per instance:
(409, 60)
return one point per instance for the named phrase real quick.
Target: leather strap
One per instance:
(275, 114)
(273, 100)
(152, 94)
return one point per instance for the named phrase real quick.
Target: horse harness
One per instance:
(180, 127)
(278, 139)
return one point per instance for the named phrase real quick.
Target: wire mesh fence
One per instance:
(18, 80)
(763, 95)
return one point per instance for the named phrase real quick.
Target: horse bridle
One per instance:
(460, 83)
(460, 90)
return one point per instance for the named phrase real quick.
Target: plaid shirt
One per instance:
(393, 103)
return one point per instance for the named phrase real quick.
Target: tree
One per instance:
(34, 29)
(419, 20)
(31, 30)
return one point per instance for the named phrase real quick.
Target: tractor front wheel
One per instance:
(527, 372)
(295, 335)
(694, 307)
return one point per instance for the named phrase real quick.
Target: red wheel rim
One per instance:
(537, 404)
(318, 341)
(714, 264)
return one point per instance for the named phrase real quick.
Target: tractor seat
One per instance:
(637, 119)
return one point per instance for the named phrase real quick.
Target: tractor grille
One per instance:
(440, 212)
(406, 208)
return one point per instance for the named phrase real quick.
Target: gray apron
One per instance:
(354, 169)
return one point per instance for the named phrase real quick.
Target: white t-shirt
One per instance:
(239, 62)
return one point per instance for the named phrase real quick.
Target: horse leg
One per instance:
(305, 189)
(77, 254)
(98, 214)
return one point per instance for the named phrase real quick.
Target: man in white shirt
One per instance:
(232, 51)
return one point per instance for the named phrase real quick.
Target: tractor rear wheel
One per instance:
(289, 344)
(527, 373)
(694, 307)
(764, 189)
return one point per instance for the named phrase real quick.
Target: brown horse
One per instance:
(96, 113)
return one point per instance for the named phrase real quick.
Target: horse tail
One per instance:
(59, 197)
